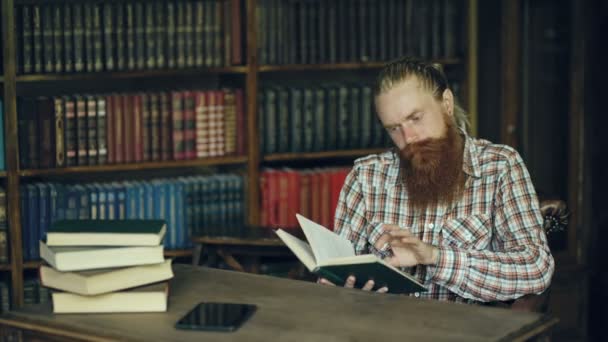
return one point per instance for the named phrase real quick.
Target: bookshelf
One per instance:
(250, 75)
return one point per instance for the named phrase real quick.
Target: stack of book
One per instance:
(104, 266)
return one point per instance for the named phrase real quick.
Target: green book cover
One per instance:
(377, 271)
(106, 232)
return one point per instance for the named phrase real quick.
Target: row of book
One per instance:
(65, 37)
(312, 193)
(331, 117)
(130, 127)
(33, 293)
(321, 31)
(192, 206)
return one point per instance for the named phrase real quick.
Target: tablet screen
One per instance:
(216, 316)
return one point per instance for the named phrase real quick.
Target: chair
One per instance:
(555, 218)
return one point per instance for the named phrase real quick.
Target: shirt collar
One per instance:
(470, 158)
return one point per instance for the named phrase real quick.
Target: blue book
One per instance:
(84, 207)
(130, 200)
(120, 195)
(171, 213)
(149, 201)
(180, 237)
(34, 221)
(91, 191)
(44, 209)
(110, 202)
(160, 208)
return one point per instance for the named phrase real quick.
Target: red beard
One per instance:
(432, 169)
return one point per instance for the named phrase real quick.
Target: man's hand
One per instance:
(350, 283)
(407, 249)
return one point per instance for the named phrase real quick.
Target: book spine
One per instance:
(109, 35)
(102, 129)
(48, 62)
(58, 38)
(92, 128)
(97, 35)
(27, 34)
(68, 38)
(59, 132)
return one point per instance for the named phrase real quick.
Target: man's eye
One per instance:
(415, 118)
(392, 129)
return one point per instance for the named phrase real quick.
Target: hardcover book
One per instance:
(333, 257)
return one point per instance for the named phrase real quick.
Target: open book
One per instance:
(333, 257)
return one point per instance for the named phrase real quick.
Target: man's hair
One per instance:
(430, 75)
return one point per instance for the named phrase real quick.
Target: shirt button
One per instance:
(431, 225)
(417, 294)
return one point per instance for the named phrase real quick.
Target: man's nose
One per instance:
(408, 133)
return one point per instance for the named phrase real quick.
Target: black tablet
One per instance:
(216, 316)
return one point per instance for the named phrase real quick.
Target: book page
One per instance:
(300, 248)
(324, 243)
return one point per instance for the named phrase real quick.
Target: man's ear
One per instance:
(448, 102)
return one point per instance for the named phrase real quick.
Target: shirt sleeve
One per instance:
(349, 220)
(520, 262)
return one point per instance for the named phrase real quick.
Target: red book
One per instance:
(166, 127)
(315, 197)
(337, 182)
(264, 199)
(293, 197)
(127, 128)
(189, 104)
(273, 198)
(325, 199)
(177, 119)
(137, 136)
(283, 198)
(305, 193)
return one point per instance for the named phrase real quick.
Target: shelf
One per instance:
(178, 253)
(2, 174)
(341, 66)
(5, 267)
(93, 76)
(31, 264)
(322, 155)
(216, 161)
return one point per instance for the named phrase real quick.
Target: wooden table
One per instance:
(288, 310)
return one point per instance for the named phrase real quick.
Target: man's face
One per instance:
(430, 146)
(410, 113)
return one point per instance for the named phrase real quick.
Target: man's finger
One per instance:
(383, 242)
(368, 286)
(350, 282)
(324, 281)
(383, 289)
(405, 242)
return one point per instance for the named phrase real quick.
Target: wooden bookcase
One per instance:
(248, 74)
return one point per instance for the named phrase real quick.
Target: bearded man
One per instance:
(459, 213)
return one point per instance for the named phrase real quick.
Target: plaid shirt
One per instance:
(491, 242)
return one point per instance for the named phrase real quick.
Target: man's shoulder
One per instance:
(490, 152)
